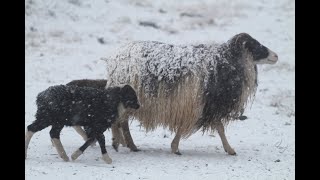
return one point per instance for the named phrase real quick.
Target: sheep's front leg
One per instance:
(127, 135)
(78, 152)
(175, 143)
(115, 135)
(102, 143)
(224, 140)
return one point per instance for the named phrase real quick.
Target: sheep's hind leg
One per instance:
(80, 151)
(175, 143)
(224, 140)
(55, 137)
(102, 143)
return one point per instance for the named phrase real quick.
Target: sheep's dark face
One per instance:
(129, 97)
(260, 53)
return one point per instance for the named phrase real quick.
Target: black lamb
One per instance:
(96, 109)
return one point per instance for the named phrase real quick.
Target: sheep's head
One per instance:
(129, 97)
(259, 53)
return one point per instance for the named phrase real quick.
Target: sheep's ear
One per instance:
(127, 89)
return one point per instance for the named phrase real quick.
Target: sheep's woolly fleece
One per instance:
(172, 62)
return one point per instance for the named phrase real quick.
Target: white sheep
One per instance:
(188, 88)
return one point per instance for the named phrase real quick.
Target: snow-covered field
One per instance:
(65, 40)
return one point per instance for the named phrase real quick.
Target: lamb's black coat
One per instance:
(82, 106)
(97, 83)
(94, 108)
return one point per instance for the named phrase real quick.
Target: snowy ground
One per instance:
(62, 44)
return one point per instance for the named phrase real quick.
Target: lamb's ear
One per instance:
(244, 44)
(247, 44)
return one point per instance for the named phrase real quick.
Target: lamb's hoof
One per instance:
(178, 153)
(65, 158)
(106, 158)
(76, 154)
(231, 152)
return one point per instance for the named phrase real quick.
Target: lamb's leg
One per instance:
(36, 126)
(102, 143)
(224, 140)
(79, 151)
(28, 137)
(83, 134)
(127, 135)
(55, 137)
(175, 143)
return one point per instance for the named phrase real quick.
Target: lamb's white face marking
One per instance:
(271, 59)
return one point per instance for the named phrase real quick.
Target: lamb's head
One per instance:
(129, 97)
(259, 53)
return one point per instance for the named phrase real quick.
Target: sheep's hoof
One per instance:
(115, 147)
(106, 158)
(115, 144)
(135, 150)
(242, 118)
(76, 154)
